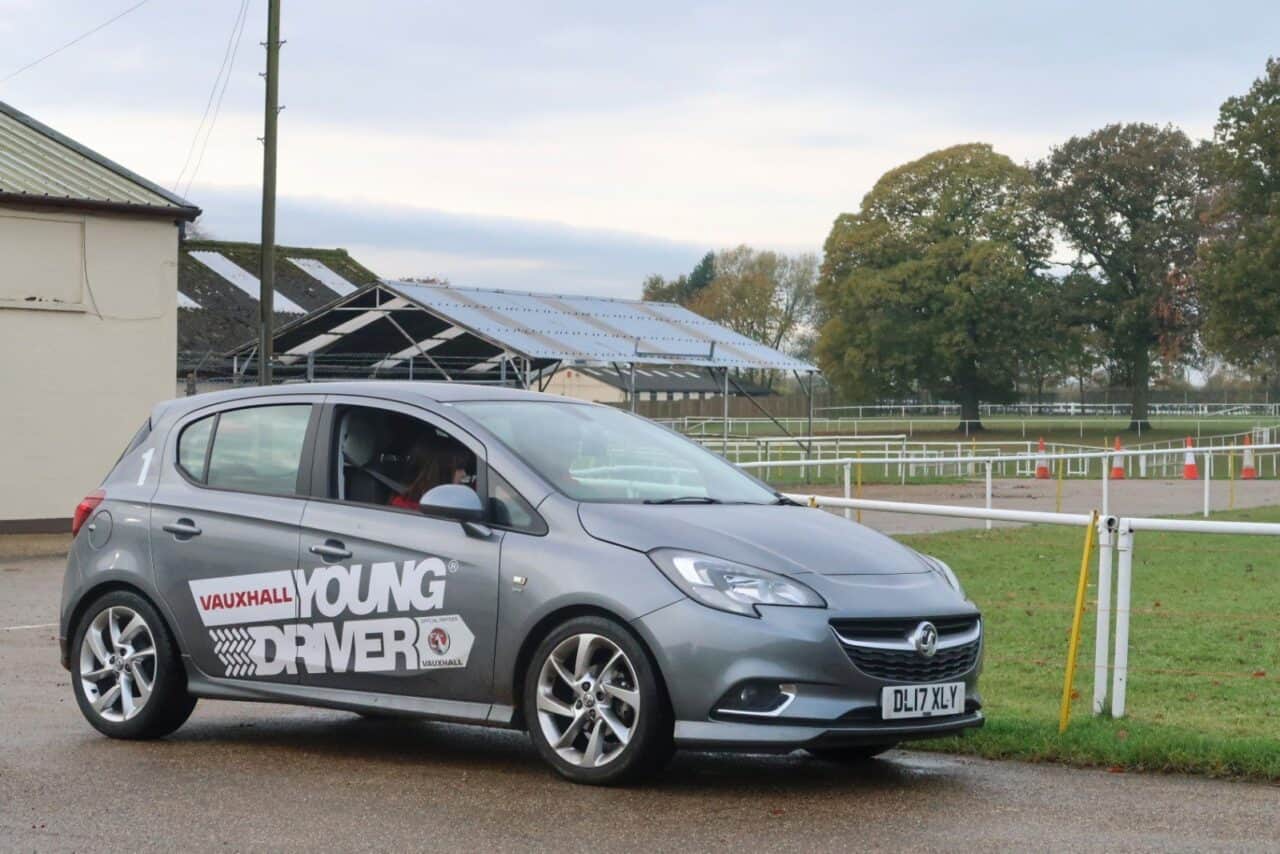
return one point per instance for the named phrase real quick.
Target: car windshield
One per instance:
(595, 453)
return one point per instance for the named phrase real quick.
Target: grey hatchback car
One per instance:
(502, 558)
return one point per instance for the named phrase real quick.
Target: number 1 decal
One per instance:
(146, 465)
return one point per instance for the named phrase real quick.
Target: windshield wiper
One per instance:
(685, 499)
(782, 499)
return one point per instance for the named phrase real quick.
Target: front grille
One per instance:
(893, 665)
(865, 642)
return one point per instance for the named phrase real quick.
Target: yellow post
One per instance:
(813, 501)
(1077, 617)
(1062, 469)
(858, 489)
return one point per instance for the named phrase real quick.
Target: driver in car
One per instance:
(437, 463)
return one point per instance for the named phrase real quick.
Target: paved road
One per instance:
(249, 776)
(1128, 497)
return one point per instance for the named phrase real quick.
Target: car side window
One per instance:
(258, 449)
(390, 459)
(508, 509)
(193, 446)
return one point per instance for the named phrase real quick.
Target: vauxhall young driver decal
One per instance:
(335, 619)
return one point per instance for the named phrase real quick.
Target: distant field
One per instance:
(1204, 658)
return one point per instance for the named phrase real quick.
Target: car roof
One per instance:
(404, 390)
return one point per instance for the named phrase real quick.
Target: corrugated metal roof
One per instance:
(40, 165)
(596, 329)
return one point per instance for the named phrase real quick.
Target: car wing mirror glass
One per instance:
(453, 501)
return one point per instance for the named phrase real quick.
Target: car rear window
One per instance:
(259, 449)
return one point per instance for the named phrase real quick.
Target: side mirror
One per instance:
(453, 501)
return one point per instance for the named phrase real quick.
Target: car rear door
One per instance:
(224, 532)
(394, 601)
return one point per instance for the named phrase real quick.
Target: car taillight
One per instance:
(85, 509)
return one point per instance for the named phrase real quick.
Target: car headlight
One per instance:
(730, 586)
(946, 572)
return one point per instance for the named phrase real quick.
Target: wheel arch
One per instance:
(545, 626)
(96, 592)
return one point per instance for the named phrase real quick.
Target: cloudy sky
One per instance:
(581, 146)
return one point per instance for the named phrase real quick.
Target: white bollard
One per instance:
(1208, 476)
(1102, 634)
(1124, 589)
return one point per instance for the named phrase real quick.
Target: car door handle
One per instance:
(183, 529)
(331, 549)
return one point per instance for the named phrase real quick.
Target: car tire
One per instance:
(612, 723)
(850, 755)
(121, 642)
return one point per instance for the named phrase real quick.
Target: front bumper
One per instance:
(703, 653)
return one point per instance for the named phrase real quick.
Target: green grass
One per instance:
(1204, 679)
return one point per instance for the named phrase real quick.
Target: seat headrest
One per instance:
(360, 432)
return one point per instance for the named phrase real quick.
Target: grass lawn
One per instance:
(1204, 677)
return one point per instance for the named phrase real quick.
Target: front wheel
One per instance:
(127, 676)
(594, 705)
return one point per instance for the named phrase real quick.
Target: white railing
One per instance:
(1110, 459)
(1116, 537)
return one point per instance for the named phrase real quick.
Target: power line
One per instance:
(228, 60)
(74, 41)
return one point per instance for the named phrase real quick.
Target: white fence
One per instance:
(1116, 545)
(1146, 460)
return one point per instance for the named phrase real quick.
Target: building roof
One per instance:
(481, 335)
(39, 166)
(218, 289)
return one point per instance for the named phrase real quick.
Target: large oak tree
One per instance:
(1239, 269)
(929, 286)
(1126, 198)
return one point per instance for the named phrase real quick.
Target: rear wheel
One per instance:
(127, 675)
(595, 708)
(850, 755)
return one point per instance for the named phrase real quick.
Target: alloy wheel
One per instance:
(118, 663)
(588, 701)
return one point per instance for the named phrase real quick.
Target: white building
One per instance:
(88, 304)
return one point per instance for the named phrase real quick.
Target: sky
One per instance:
(579, 147)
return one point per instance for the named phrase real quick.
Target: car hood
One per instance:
(782, 538)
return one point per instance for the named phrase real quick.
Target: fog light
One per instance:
(757, 697)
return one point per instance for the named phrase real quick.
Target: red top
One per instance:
(404, 502)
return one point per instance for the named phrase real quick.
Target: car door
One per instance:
(394, 601)
(224, 532)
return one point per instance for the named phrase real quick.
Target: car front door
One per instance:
(224, 532)
(393, 601)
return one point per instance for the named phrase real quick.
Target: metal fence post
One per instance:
(1124, 589)
(988, 493)
(1102, 633)
(848, 470)
(1208, 476)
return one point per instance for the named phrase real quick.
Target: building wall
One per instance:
(575, 384)
(88, 342)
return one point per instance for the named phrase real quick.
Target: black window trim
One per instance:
(302, 486)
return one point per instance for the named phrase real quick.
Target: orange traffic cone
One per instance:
(1117, 462)
(1190, 471)
(1248, 470)
(1042, 463)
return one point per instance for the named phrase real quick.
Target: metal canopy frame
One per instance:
(466, 334)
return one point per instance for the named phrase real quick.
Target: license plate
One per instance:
(921, 701)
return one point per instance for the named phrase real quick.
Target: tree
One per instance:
(1126, 197)
(928, 287)
(1239, 268)
(682, 289)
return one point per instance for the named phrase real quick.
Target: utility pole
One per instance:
(267, 269)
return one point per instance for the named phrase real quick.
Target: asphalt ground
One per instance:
(261, 777)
